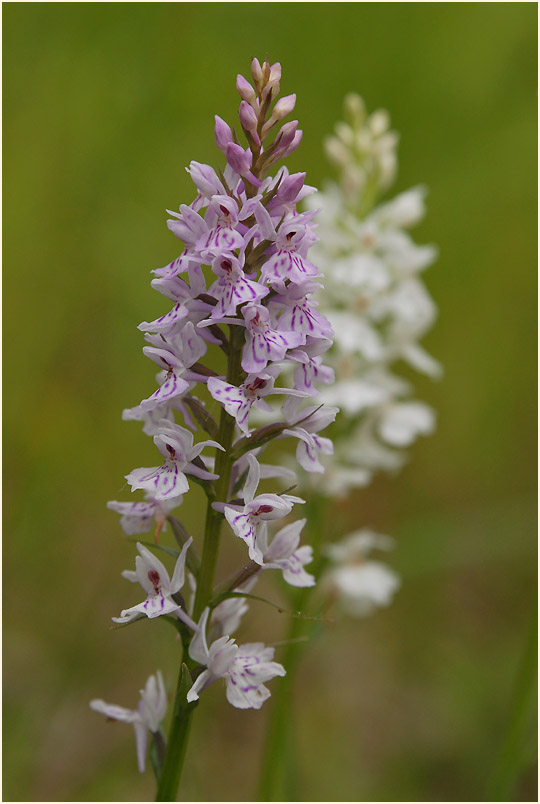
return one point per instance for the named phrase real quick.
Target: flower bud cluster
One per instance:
(242, 289)
(364, 149)
(375, 299)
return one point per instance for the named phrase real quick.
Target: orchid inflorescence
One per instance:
(380, 309)
(375, 299)
(243, 288)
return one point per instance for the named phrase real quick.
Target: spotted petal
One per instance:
(137, 517)
(174, 386)
(245, 527)
(167, 321)
(287, 265)
(153, 606)
(163, 482)
(261, 347)
(251, 667)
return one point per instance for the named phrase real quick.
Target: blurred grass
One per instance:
(104, 105)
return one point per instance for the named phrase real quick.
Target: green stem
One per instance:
(513, 756)
(275, 779)
(181, 722)
(224, 464)
(178, 739)
(277, 745)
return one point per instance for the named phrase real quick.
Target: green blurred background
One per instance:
(104, 105)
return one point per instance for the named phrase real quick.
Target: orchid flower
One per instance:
(262, 342)
(283, 553)
(151, 574)
(147, 717)
(238, 401)
(305, 426)
(244, 520)
(138, 517)
(169, 480)
(232, 287)
(245, 668)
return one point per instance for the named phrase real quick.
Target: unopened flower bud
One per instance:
(290, 187)
(244, 89)
(270, 91)
(205, 179)
(248, 117)
(275, 72)
(266, 71)
(355, 110)
(388, 142)
(286, 134)
(238, 159)
(337, 152)
(257, 73)
(294, 144)
(379, 122)
(222, 133)
(345, 133)
(283, 107)
(249, 121)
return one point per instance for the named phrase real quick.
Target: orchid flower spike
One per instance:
(242, 290)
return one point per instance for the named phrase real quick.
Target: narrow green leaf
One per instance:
(226, 595)
(206, 421)
(169, 550)
(181, 535)
(204, 370)
(178, 738)
(258, 437)
(266, 433)
(296, 614)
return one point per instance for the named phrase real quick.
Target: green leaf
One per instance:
(206, 421)
(169, 550)
(258, 437)
(226, 595)
(204, 370)
(266, 433)
(181, 535)
(178, 738)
